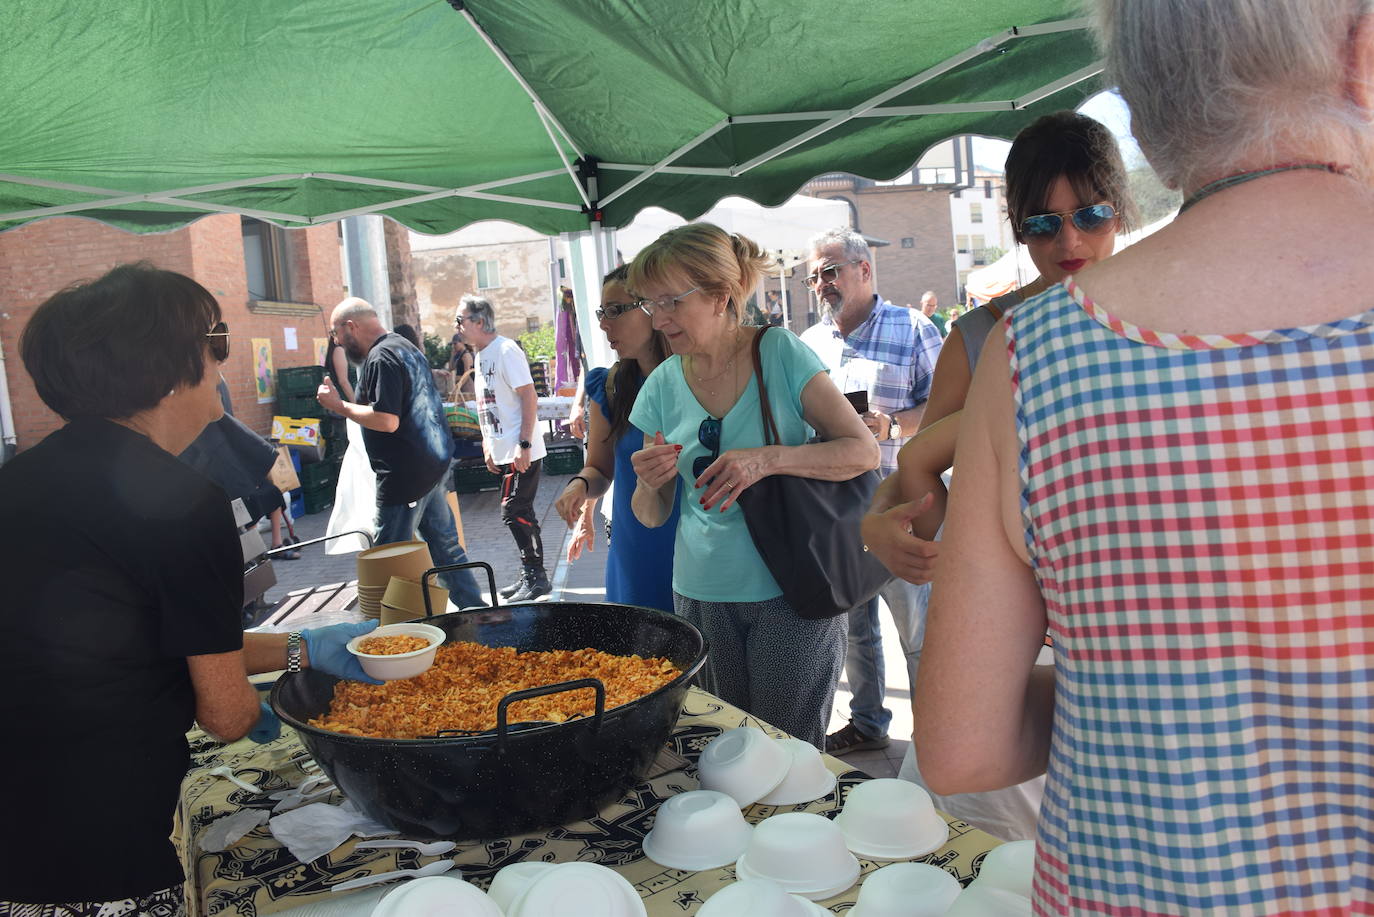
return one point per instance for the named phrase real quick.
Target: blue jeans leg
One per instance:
(432, 518)
(863, 666)
(907, 605)
(439, 530)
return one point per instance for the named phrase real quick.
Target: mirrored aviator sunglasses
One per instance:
(219, 341)
(1093, 220)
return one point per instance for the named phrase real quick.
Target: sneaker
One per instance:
(843, 741)
(536, 585)
(507, 591)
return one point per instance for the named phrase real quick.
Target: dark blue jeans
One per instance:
(431, 517)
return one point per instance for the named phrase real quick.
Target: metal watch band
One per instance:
(293, 651)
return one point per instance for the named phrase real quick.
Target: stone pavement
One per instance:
(488, 540)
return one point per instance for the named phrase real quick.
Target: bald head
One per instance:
(355, 325)
(929, 303)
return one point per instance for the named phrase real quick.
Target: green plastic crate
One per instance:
(299, 380)
(317, 500)
(319, 474)
(563, 460)
(471, 479)
(299, 405)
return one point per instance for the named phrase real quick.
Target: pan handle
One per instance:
(434, 571)
(517, 696)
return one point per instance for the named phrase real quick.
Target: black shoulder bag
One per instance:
(807, 530)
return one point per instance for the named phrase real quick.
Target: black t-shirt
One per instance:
(396, 379)
(118, 562)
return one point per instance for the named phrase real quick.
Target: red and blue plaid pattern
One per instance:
(1199, 512)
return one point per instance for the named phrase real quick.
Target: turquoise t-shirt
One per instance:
(714, 559)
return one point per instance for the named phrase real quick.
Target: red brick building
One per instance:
(269, 281)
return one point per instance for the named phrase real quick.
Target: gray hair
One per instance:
(1214, 83)
(353, 308)
(480, 309)
(855, 248)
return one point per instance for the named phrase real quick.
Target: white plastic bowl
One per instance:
(807, 776)
(1010, 867)
(906, 890)
(437, 896)
(742, 763)
(890, 819)
(702, 829)
(578, 890)
(511, 881)
(989, 902)
(399, 665)
(802, 852)
(759, 898)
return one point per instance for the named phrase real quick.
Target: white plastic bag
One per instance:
(355, 499)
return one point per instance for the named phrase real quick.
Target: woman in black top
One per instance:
(120, 625)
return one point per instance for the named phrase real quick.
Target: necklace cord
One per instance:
(1240, 178)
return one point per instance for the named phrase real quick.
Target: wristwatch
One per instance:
(894, 430)
(293, 651)
(524, 444)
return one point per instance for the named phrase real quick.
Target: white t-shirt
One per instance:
(501, 369)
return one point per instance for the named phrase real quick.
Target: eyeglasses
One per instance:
(617, 309)
(1094, 220)
(219, 341)
(665, 303)
(708, 434)
(458, 320)
(826, 274)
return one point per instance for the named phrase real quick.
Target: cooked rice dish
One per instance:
(392, 645)
(462, 688)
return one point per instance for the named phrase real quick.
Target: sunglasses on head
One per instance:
(708, 434)
(1093, 219)
(219, 341)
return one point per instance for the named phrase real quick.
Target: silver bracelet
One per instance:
(293, 651)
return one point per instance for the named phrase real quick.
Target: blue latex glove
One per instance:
(328, 650)
(268, 727)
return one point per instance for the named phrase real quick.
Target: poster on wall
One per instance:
(289, 335)
(321, 349)
(262, 370)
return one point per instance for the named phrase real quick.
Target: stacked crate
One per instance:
(564, 457)
(319, 471)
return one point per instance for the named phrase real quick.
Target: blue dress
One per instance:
(639, 567)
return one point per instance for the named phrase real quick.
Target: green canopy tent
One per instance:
(562, 115)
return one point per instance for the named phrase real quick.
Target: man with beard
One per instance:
(407, 437)
(888, 353)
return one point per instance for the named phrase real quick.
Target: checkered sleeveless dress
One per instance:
(1199, 511)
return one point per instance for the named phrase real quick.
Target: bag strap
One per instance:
(770, 427)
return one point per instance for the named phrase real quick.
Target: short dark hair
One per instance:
(1076, 147)
(116, 346)
(408, 332)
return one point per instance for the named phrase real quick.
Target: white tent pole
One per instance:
(666, 160)
(870, 108)
(667, 170)
(529, 90)
(566, 165)
(1064, 82)
(411, 186)
(782, 288)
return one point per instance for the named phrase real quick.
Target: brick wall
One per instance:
(41, 258)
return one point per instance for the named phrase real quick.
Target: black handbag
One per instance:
(807, 530)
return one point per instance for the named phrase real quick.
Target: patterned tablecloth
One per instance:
(259, 876)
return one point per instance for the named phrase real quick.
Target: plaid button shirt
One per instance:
(891, 356)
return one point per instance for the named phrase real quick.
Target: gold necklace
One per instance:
(729, 365)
